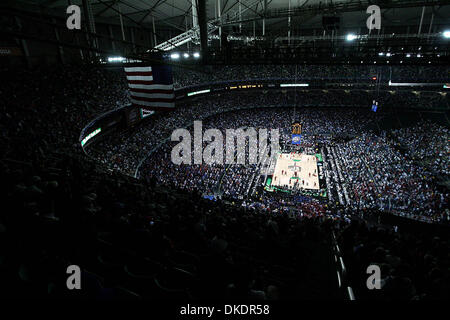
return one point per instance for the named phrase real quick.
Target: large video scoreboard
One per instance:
(296, 133)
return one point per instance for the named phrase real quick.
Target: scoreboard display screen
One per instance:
(296, 139)
(296, 128)
(296, 133)
(374, 106)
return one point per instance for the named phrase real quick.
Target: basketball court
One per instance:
(296, 171)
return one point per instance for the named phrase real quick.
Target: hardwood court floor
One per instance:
(303, 164)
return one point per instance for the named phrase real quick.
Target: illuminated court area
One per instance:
(296, 171)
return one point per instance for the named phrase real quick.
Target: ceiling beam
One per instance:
(99, 14)
(151, 9)
(319, 9)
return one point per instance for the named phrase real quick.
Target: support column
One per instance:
(186, 29)
(264, 18)
(121, 22)
(431, 24)
(289, 23)
(154, 32)
(133, 40)
(23, 44)
(194, 13)
(78, 41)
(220, 22)
(202, 21)
(240, 17)
(111, 35)
(421, 21)
(379, 32)
(90, 22)
(60, 48)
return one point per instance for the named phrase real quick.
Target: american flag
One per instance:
(151, 87)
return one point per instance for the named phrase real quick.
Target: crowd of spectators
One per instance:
(157, 237)
(187, 77)
(369, 172)
(86, 91)
(414, 265)
(125, 151)
(237, 179)
(133, 239)
(48, 108)
(429, 143)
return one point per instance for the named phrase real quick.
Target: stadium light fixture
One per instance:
(196, 55)
(198, 92)
(351, 37)
(175, 56)
(282, 85)
(116, 59)
(447, 34)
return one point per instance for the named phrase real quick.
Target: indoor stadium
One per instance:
(225, 157)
